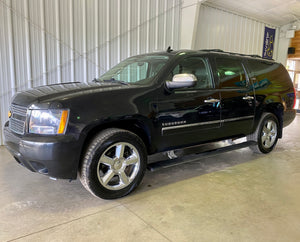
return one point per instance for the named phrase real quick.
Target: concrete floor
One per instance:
(236, 196)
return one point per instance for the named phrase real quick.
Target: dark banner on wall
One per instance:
(268, 43)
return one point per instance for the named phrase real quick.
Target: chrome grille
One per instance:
(17, 119)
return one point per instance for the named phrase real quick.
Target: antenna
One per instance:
(169, 49)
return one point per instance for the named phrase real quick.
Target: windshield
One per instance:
(137, 69)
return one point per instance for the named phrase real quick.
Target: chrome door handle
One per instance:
(248, 98)
(211, 100)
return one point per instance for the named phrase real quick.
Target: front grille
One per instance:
(17, 119)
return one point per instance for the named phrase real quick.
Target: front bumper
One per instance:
(55, 156)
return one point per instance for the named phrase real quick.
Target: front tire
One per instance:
(266, 134)
(113, 164)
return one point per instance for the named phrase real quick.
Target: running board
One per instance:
(193, 157)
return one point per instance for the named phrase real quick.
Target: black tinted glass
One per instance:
(231, 73)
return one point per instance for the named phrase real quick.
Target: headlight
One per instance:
(48, 121)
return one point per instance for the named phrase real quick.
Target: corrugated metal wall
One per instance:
(52, 41)
(219, 29)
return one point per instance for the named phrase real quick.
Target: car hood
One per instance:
(57, 92)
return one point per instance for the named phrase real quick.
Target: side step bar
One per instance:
(193, 157)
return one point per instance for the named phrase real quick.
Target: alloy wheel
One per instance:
(118, 166)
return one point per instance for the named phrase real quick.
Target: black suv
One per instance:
(104, 130)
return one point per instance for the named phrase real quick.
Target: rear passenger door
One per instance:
(237, 96)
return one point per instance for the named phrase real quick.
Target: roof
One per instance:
(205, 51)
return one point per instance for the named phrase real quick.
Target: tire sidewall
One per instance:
(259, 138)
(94, 184)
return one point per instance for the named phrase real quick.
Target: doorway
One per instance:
(293, 67)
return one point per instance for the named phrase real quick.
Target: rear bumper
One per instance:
(55, 156)
(289, 116)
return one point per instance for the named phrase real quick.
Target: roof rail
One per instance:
(231, 53)
(213, 50)
(258, 56)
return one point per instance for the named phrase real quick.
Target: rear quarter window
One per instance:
(268, 73)
(260, 69)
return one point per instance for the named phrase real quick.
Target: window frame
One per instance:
(207, 62)
(244, 68)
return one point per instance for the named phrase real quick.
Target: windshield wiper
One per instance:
(110, 80)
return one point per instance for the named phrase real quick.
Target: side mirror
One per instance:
(182, 81)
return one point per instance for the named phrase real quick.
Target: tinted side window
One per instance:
(266, 73)
(260, 68)
(231, 73)
(197, 66)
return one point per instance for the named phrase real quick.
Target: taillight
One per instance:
(295, 98)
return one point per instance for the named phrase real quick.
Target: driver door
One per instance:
(188, 116)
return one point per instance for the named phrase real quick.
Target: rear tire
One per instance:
(266, 135)
(114, 164)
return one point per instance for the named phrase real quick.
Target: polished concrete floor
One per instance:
(236, 196)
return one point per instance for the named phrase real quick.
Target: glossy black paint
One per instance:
(49, 155)
(164, 119)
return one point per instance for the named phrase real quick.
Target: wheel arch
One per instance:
(135, 126)
(277, 109)
(124, 176)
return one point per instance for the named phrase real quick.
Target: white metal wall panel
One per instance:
(51, 41)
(219, 29)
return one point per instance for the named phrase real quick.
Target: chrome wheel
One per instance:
(118, 166)
(269, 134)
